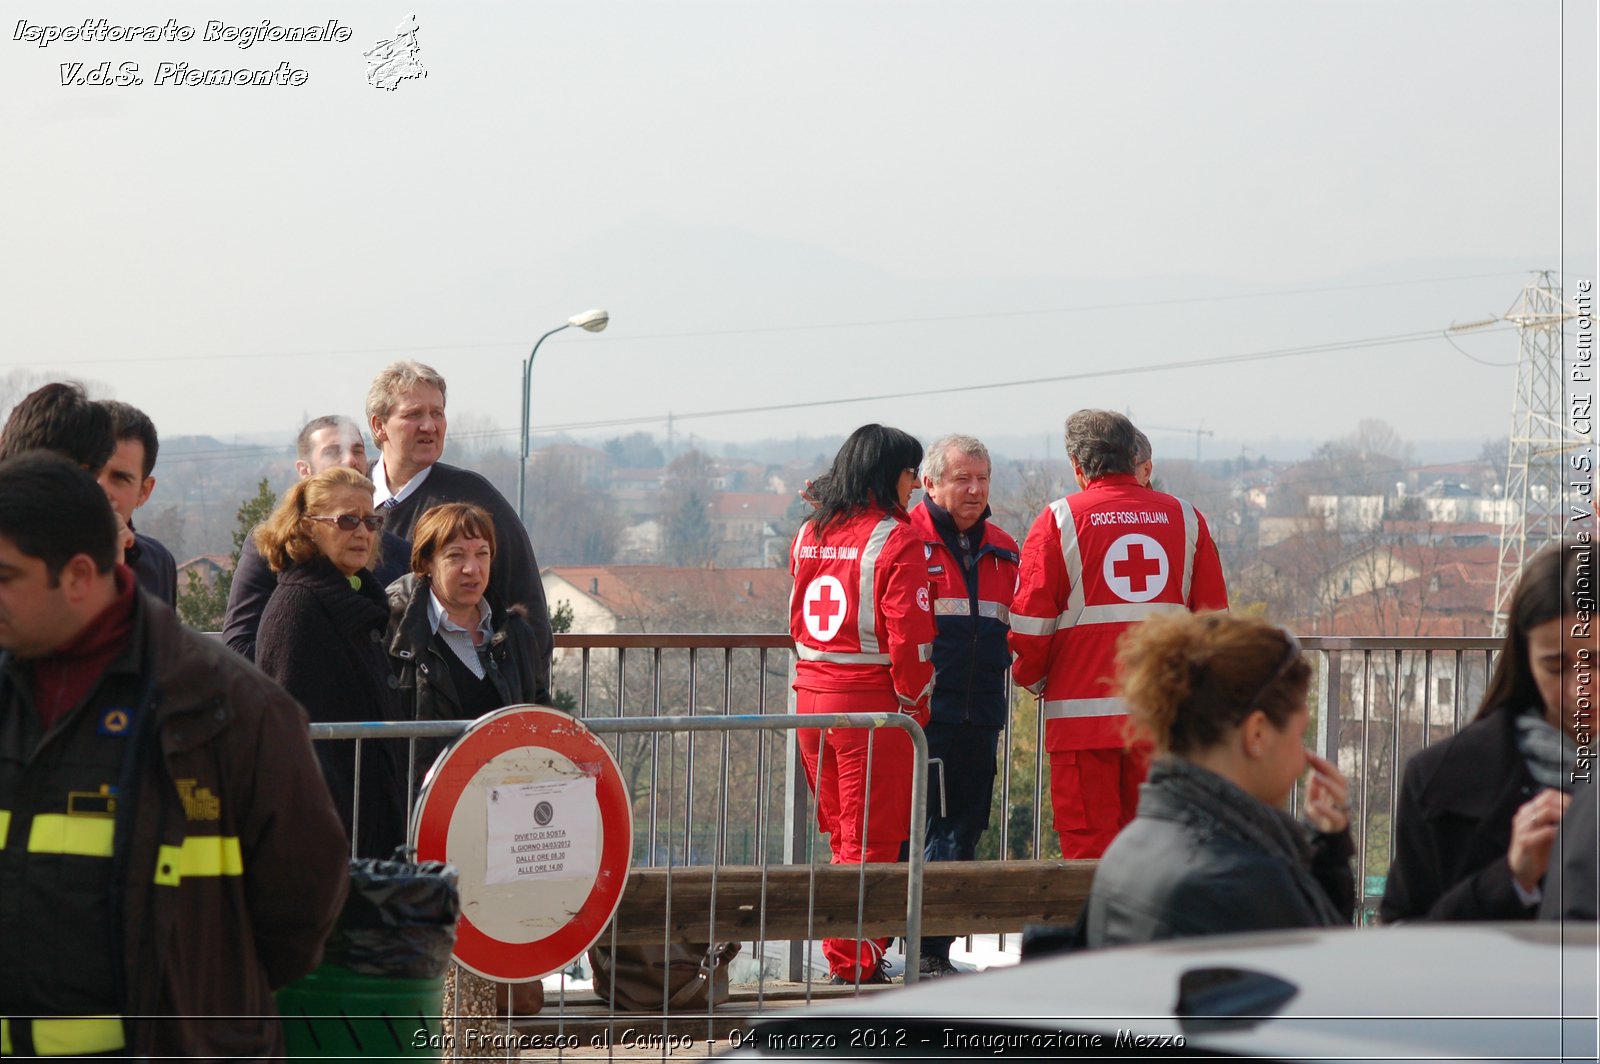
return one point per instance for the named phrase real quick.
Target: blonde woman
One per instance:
(321, 637)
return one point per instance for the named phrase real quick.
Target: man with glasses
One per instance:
(324, 442)
(1094, 563)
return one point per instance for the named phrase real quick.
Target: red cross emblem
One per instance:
(824, 607)
(1136, 568)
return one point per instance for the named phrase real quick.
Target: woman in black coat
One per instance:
(1211, 849)
(456, 653)
(321, 638)
(1479, 812)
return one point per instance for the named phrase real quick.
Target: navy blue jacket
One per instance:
(972, 609)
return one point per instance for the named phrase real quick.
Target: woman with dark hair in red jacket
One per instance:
(863, 635)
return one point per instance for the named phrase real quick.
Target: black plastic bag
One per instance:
(399, 919)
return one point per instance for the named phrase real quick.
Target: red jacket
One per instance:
(972, 611)
(859, 612)
(1093, 564)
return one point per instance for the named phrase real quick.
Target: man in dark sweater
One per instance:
(127, 481)
(405, 408)
(324, 442)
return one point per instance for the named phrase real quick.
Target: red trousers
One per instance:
(1094, 794)
(856, 831)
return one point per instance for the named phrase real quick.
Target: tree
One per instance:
(686, 501)
(202, 607)
(560, 622)
(635, 451)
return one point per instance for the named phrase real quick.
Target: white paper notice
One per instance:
(543, 831)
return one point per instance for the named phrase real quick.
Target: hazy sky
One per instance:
(793, 202)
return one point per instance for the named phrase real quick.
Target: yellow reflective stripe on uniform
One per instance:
(86, 836)
(200, 855)
(1126, 612)
(5, 826)
(1057, 708)
(5, 1037)
(76, 1035)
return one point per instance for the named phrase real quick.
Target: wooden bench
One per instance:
(775, 903)
(958, 898)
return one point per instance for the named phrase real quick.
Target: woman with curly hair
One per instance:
(1211, 849)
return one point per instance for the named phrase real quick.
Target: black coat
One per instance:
(1163, 878)
(1452, 828)
(323, 641)
(517, 670)
(514, 580)
(254, 582)
(1570, 891)
(153, 565)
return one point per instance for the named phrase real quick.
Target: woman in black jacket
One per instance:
(456, 653)
(1478, 813)
(321, 638)
(1212, 849)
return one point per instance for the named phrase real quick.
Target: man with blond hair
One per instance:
(405, 409)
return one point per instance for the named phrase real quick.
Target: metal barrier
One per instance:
(660, 805)
(1375, 700)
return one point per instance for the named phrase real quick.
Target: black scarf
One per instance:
(1207, 801)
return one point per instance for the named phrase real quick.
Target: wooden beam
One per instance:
(774, 902)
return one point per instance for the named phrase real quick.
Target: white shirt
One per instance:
(380, 483)
(458, 638)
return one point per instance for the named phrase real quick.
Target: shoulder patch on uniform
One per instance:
(115, 721)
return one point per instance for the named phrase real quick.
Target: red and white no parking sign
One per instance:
(530, 808)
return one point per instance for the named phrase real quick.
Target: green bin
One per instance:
(335, 1012)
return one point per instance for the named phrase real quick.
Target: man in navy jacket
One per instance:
(972, 566)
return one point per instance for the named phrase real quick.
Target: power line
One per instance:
(1198, 363)
(391, 349)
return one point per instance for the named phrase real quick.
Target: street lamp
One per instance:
(589, 321)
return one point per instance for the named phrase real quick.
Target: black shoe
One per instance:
(877, 978)
(936, 968)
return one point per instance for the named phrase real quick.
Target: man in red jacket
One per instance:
(972, 569)
(1093, 564)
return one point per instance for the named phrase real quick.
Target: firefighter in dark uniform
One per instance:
(168, 853)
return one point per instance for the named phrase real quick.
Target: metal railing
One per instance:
(1375, 701)
(723, 728)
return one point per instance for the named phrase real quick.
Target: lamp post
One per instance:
(589, 321)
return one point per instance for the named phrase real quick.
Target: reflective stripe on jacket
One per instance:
(972, 616)
(859, 611)
(1093, 564)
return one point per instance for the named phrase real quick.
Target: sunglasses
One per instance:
(1291, 654)
(350, 522)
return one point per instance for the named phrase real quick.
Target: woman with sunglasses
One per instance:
(321, 637)
(1211, 849)
(1478, 813)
